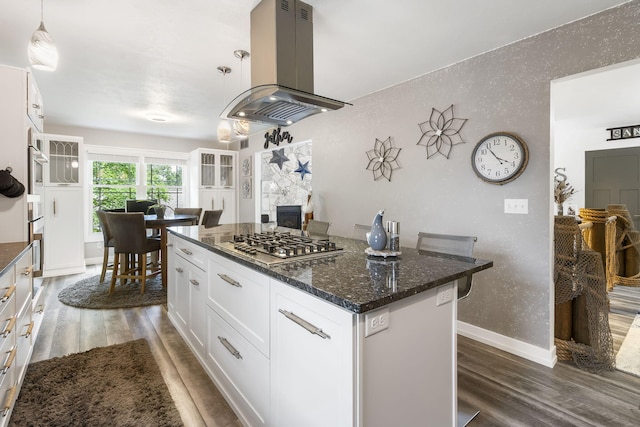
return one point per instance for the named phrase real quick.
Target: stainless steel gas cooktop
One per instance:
(274, 247)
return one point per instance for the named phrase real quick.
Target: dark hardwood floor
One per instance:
(508, 390)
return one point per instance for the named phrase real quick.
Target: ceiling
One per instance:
(122, 60)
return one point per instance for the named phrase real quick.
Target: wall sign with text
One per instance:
(624, 132)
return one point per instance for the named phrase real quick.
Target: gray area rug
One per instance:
(90, 293)
(118, 385)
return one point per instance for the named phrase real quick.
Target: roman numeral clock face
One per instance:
(500, 158)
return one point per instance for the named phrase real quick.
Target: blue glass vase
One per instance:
(377, 238)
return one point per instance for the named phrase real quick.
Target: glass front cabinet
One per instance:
(213, 182)
(65, 163)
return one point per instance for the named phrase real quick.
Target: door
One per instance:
(613, 177)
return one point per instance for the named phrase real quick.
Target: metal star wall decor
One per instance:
(441, 132)
(278, 157)
(383, 159)
(303, 169)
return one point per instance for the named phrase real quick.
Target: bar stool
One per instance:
(211, 218)
(130, 236)
(108, 242)
(189, 211)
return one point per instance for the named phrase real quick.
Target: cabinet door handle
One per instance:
(8, 400)
(29, 330)
(9, 327)
(8, 293)
(308, 326)
(179, 270)
(223, 203)
(9, 361)
(36, 106)
(27, 271)
(194, 282)
(54, 206)
(229, 280)
(186, 251)
(231, 349)
(212, 203)
(40, 309)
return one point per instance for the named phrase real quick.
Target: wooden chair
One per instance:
(108, 242)
(211, 218)
(189, 211)
(360, 231)
(452, 245)
(130, 236)
(141, 206)
(318, 228)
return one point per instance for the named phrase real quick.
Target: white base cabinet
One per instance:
(284, 358)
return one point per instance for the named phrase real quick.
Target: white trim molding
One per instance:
(546, 357)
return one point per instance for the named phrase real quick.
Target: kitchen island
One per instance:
(342, 339)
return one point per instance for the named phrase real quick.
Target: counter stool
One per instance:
(360, 231)
(318, 228)
(108, 242)
(130, 236)
(211, 218)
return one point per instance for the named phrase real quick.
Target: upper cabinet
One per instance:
(35, 109)
(214, 168)
(65, 160)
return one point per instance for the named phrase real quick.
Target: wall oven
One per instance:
(35, 199)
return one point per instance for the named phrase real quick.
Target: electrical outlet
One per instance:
(376, 321)
(444, 294)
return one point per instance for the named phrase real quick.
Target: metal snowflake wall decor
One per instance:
(383, 159)
(441, 132)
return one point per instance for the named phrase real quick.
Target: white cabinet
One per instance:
(312, 361)
(35, 107)
(65, 160)
(64, 233)
(213, 182)
(16, 336)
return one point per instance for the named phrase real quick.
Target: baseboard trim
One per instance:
(545, 357)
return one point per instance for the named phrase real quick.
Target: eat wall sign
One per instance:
(624, 132)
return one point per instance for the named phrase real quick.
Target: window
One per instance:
(117, 175)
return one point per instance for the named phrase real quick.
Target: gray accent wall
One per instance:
(503, 90)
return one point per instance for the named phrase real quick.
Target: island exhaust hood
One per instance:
(281, 68)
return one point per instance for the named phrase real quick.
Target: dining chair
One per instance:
(211, 218)
(452, 245)
(108, 242)
(141, 206)
(130, 236)
(189, 211)
(360, 231)
(318, 228)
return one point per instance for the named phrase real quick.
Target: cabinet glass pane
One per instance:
(207, 169)
(64, 162)
(226, 170)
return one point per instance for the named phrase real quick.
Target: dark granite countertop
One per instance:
(9, 254)
(351, 279)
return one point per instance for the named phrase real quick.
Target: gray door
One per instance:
(613, 177)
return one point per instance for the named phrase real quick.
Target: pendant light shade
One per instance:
(241, 128)
(224, 131)
(43, 54)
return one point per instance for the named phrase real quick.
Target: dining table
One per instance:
(161, 224)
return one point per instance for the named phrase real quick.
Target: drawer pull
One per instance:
(9, 361)
(229, 280)
(186, 251)
(29, 330)
(179, 270)
(8, 293)
(308, 326)
(8, 401)
(231, 349)
(27, 271)
(194, 282)
(9, 327)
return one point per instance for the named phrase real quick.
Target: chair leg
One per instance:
(116, 259)
(143, 271)
(105, 262)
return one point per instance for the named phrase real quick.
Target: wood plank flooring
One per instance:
(508, 390)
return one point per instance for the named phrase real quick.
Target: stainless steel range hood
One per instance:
(281, 68)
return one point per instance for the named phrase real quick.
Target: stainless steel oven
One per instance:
(35, 199)
(37, 159)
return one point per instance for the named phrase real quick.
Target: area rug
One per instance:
(90, 293)
(628, 357)
(118, 385)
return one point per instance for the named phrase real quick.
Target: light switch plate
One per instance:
(516, 206)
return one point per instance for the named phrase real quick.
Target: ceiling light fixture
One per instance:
(224, 128)
(43, 54)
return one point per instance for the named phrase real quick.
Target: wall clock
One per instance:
(500, 158)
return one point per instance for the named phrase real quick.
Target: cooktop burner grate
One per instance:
(282, 244)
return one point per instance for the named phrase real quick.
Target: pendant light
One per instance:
(224, 128)
(241, 127)
(43, 54)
